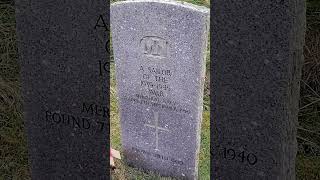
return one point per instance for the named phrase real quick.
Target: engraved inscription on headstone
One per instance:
(157, 129)
(256, 64)
(63, 49)
(159, 50)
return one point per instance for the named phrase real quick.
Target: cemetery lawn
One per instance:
(13, 146)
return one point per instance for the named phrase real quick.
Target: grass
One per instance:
(197, 2)
(309, 114)
(13, 149)
(308, 168)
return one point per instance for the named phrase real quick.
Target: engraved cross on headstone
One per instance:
(157, 128)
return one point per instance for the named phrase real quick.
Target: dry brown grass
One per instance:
(309, 114)
(311, 71)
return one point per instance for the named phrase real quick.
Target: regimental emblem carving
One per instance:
(154, 46)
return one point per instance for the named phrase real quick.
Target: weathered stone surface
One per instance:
(65, 87)
(256, 62)
(159, 49)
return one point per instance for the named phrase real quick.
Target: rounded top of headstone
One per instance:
(190, 6)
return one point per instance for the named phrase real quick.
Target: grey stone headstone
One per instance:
(65, 85)
(257, 53)
(159, 49)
